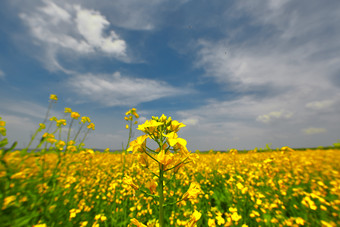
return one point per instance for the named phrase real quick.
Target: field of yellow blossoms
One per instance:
(63, 184)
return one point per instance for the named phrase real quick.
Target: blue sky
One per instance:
(239, 74)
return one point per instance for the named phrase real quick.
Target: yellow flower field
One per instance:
(292, 188)
(62, 183)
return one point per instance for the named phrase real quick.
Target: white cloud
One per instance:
(275, 115)
(291, 47)
(25, 109)
(66, 29)
(190, 121)
(311, 130)
(19, 129)
(319, 105)
(91, 25)
(286, 61)
(118, 90)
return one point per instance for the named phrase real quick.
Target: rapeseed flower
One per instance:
(8, 201)
(53, 97)
(152, 186)
(128, 180)
(150, 126)
(91, 126)
(61, 122)
(194, 218)
(138, 145)
(193, 191)
(85, 119)
(135, 222)
(165, 158)
(75, 115)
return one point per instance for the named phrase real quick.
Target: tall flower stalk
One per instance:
(170, 155)
(131, 117)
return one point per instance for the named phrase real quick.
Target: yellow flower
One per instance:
(220, 220)
(40, 225)
(194, 218)
(8, 200)
(53, 118)
(83, 223)
(101, 217)
(53, 97)
(71, 148)
(73, 213)
(132, 111)
(75, 115)
(235, 217)
(60, 145)
(126, 126)
(91, 126)
(299, 221)
(134, 221)
(211, 222)
(61, 122)
(233, 151)
(149, 127)
(138, 144)
(68, 110)
(85, 119)
(128, 180)
(165, 158)
(3, 131)
(327, 224)
(233, 209)
(173, 140)
(309, 203)
(2, 123)
(152, 186)
(193, 191)
(42, 126)
(285, 149)
(175, 126)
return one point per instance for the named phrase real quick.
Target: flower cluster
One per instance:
(171, 154)
(163, 130)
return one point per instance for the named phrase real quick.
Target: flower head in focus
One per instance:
(138, 145)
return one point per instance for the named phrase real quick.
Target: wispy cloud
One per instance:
(275, 115)
(69, 29)
(25, 109)
(288, 49)
(319, 105)
(311, 130)
(118, 90)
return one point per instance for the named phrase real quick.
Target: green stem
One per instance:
(161, 196)
(69, 131)
(81, 127)
(88, 130)
(126, 147)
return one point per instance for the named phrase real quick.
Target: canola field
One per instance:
(62, 183)
(255, 189)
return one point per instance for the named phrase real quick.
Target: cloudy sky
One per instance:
(240, 74)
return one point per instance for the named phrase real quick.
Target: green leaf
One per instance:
(3, 142)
